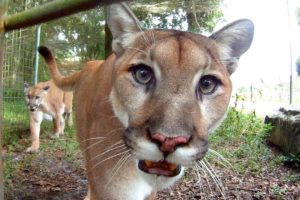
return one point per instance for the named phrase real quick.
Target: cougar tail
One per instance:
(64, 82)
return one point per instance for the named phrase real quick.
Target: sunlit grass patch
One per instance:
(15, 121)
(241, 140)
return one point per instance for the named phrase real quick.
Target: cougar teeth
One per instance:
(162, 168)
(172, 167)
(148, 163)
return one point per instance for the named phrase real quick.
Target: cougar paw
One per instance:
(32, 150)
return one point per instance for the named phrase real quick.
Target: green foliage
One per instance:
(292, 160)
(294, 178)
(278, 191)
(241, 139)
(12, 92)
(192, 15)
(80, 35)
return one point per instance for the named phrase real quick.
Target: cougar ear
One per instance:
(123, 25)
(26, 87)
(233, 41)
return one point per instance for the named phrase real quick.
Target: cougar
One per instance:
(44, 99)
(144, 115)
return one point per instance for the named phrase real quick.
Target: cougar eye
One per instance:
(208, 84)
(142, 74)
(37, 97)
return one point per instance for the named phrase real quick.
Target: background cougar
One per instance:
(145, 113)
(46, 98)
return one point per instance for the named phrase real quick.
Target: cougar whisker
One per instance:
(93, 138)
(222, 160)
(199, 177)
(113, 156)
(92, 145)
(142, 51)
(122, 161)
(200, 167)
(115, 149)
(214, 177)
(99, 142)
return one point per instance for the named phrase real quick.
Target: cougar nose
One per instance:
(169, 144)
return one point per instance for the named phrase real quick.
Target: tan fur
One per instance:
(46, 98)
(68, 101)
(118, 119)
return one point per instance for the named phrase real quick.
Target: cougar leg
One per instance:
(88, 195)
(56, 125)
(69, 118)
(62, 124)
(68, 98)
(35, 125)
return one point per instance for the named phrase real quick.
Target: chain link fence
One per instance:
(18, 68)
(19, 60)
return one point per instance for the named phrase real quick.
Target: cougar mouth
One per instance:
(33, 109)
(160, 168)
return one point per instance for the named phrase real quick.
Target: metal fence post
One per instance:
(36, 60)
(3, 8)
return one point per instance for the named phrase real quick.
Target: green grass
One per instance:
(16, 139)
(65, 147)
(15, 121)
(292, 160)
(241, 140)
(67, 143)
(14, 110)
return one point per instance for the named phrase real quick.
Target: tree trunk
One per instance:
(192, 25)
(108, 38)
(191, 16)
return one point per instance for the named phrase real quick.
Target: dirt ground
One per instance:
(47, 177)
(51, 177)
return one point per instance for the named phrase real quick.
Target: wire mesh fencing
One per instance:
(70, 39)
(18, 68)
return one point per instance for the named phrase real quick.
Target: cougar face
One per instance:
(34, 96)
(174, 91)
(171, 89)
